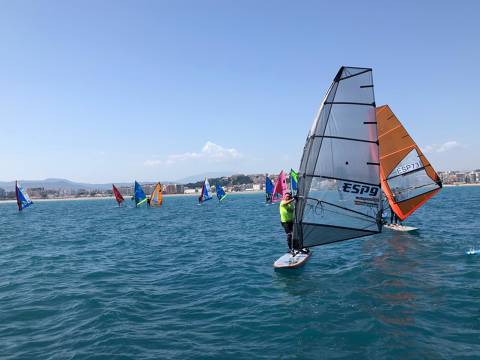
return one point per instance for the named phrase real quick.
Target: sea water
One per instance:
(90, 280)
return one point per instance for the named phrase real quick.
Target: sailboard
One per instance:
(268, 190)
(205, 194)
(339, 196)
(280, 188)
(220, 192)
(139, 195)
(156, 199)
(399, 227)
(291, 260)
(117, 194)
(23, 200)
(407, 177)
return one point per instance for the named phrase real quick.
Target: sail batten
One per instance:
(407, 177)
(338, 180)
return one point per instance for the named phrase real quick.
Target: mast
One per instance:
(339, 195)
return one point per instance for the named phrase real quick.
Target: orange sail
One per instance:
(408, 180)
(156, 199)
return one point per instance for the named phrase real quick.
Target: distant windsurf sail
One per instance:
(205, 194)
(280, 188)
(268, 189)
(156, 199)
(293, 181)
(139, 196)
(339, 196)
(117, 194)
(23, 200)
(220, 192)
(408, 180)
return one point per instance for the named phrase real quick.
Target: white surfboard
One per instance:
(398, 227)
(290, 261)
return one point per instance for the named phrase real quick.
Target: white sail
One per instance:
(339, 181)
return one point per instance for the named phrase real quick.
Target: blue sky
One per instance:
(103, 91)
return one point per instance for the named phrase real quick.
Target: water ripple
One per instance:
(89, 280)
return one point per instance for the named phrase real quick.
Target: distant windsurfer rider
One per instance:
(393, 217)
(287, 215)
(268, 198)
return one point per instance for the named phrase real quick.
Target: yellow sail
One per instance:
(156, 198)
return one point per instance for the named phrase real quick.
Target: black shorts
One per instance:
(288, 227)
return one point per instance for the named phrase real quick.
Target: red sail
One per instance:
(118, 196)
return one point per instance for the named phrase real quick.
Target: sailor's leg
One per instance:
(291, 245)
(288, 227)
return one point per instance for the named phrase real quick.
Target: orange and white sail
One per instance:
(407, 177)
(156, 198)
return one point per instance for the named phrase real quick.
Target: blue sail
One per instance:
(220, 192)
(205, 195)
(23, 200)
(139, 195)
(268, 189)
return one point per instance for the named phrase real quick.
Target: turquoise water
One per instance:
(89, 280)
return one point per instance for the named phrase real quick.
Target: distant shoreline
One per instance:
(113, 198)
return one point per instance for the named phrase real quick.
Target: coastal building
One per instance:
(37, 192)
(460, 177)
(3, 193)
(171, 189)
(10, 195)
(125, 190)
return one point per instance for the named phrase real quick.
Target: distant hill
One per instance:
(200, 177)
(55, 184)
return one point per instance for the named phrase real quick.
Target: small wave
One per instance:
(473, 251)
